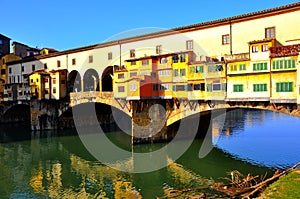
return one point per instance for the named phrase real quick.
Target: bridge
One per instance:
(148, 119)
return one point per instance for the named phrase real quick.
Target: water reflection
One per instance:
(61, 167)
(260, 137)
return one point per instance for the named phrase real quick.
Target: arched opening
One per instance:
(74, 82)
(107, 82)
(91, 80)
(18, 113)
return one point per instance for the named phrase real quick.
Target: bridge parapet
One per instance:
(100, 97)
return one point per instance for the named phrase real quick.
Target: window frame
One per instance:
(226, 39)
(268, 35)
(189, 44)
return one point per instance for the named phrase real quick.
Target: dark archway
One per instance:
(107, 82)
(91, 80)
(17, 113)
(74, 81)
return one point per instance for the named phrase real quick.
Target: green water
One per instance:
(61, 167)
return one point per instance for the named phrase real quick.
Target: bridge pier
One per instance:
(149, 121)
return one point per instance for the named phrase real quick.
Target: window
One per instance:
(58, 64)
(54, 90)
(270, 32)
(264, 47)
(164, 73)
(20, 93)
(215, 68)
(164, 87)
(9, 70)
(132, 53)
(254, 49)
(155, 87)
(54, 81)
(238, 87)
(133, 63)
(133, 74)
(182, 58)
(121, 89)
(153, 74)
(164, 60)
(121, 76)
(209, 88)
(190, 45)
(37, 80)
(225, 39)
(46, 80)
(3, 61)
(175, 72)
(158, 49)
(73, 61)
(145, 62)
(180, 87)
(109, 56)
(91, 59)
(242, 67)
(132, 87)
(182, 72)
(259, 87)
(45, 66)
(260, 66)
(3, 71)
(284, 87)
(196, 69)
(33, 67)
(284, 64)
(175, 58)
(233, 68)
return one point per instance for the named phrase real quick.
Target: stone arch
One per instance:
(17, 113)
(91, 80)
(106, 79)
(74, 81)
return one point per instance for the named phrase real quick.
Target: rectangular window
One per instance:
(190, 45)
(238, 88)
(182, 57)
(233, 67)
(33, 67)
(259, 87)
(58, 63)
(264, 47)
(109, 56)
(225, 39)
(3, 71)
(284, 87)
(175, 72)
(73, 61)
(209, 88)
(181, 88)
(133, 63)
(155, 87)
(91, 59)
(46, 80)
(45, 66)
(133, 74)
(132, 87)
(145, 62)
(121, 76)
(164, 87)
(254, 49)
(153, 74)
(132, 53)
(260, 66)
(175, 58)
(164, 73)
(121, 89)
(182, 72)
(196, 69)
(54, 90)
(158, 49)
(270, 32)
(9, 70)
(242, 67)
(54, 81)
(215, 68)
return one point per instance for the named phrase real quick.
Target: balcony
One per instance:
(237, 57)
(283, 51)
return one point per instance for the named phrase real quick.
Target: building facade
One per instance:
(251, 57)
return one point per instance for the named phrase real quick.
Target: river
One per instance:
(46, 165)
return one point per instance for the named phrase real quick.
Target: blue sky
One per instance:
(63, 24)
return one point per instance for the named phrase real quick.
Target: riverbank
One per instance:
(286, 187)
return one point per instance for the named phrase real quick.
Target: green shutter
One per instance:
(293, 63)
